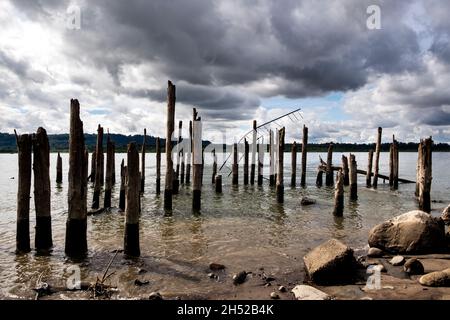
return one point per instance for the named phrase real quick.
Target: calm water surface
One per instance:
(243, 228)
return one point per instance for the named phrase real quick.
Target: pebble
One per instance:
(140, 271)
(155, 296)
(268, 284)
(216, 266)
(397, 261)
(274, 295)
(307, 201)
(413, 267)
(240, 277)
(211, 275)
(375, 252)
(282, 289)
(139, 283)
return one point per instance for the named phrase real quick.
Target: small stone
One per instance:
(446, 215)
(307, 201)
(268, 284)
(282, 289)
(139, 283)
(211, 275)
(216, 266)
(274, 295)
(155, 296)
(397, 261)
(304, 292)
(141, 271)
(378, 266)
(436, 279)
(375, 252)
(268, 278)
(413, 267)
(240, 278)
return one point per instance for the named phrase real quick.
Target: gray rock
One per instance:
(375, 252)
(446, 215)
(155, 296)
(412, 232)
(436, 279)
(240, 278)
(211, 275)
(330, 263)
(303, 292)
(413, 267)
(397, 261)
(274, 295)
(307, 201)
(282, 289)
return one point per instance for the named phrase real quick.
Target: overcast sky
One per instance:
(234, 60)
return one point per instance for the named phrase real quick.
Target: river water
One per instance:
(243, 228)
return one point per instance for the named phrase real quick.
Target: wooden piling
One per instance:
(425, 174)
(280, 154)
(183, 166)
(345, 171)
(271, 159)
(113, 164)
(197, 161)
(176, 180)
(395, 159)
(214, 167)
(304, 155)
(158, 166)
(144, 143)
(235, 167)
(24, 149)
(319, 178)
(59, 168)
(168, 190)
(275, 154)
(218, 183)
(419, 159)
(98, 169)
(353, 178)
(123, 177)
(131, 238)
(369, 169)
(109, 169)
(189, 156)
(246, 154)
(377, 158)
(254, 146)
(293, 164)
(339, 194)
(329, 176)
(260, 162)
(76, 241)
(41, 169)
(93, 166)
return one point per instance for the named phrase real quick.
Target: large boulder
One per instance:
(436, 279)
(412, 232)
(330, 263)
(446, 215)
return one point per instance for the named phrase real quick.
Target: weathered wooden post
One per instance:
(254, 146)
(109, 169)
(353, 178)
(339, 195)
(176, 181)
(425, 175)
(275, 154)
(158, 166)
(144, 143)
(218, 183)
(280, 153)
(41, 167)
(391, 165)
(183, 166)
(246, 153)
(396, 165)
(169, 162)
(93, 166)
(24, 147)
(214, 168)
(131, 238)
(319, 178)
(345, 171)
(369, 169)
(189, 156)
(123, 177)
(377, 158)
(235, 168)
(293, 164)
(59, 174)
(260, 162)
(113, 164)
(197, 161)
(329, 177)
(271, 159)
(98, 169)
(76, 241)
(304, 153)
(419, 158)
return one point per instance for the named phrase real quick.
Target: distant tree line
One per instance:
(60, 143)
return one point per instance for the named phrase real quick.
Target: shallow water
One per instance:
(243, 228)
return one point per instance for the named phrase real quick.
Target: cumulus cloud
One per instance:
(225, 58)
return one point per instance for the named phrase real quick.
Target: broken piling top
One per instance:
(425, 174)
